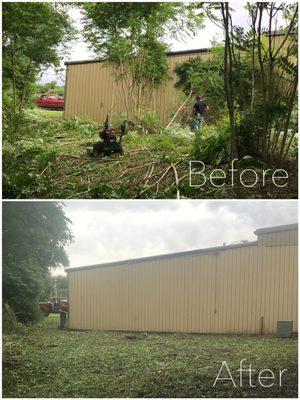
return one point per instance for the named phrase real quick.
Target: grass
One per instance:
(52, 114)
(49, 160)
(44, 361)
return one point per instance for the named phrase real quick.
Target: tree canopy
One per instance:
(254, 77)
(34, 238)
(131, 38)
(34, 34)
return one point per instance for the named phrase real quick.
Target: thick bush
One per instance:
(24, 162)
(9, 319)
(211, 144)
(150, 122)
(83, 125)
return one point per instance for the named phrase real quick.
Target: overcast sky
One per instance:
(79, 49)
(114, 230)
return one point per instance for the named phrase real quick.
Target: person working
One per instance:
(198, 111)
(63, 314)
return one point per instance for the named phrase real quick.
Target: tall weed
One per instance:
(211, 144)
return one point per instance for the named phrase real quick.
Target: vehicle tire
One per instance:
(98, 148)
(119, 148)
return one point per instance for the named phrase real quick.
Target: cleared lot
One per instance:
(43, 361)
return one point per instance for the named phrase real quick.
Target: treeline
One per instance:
(252, 77)
(49, 87)
(34, 38)
(34, 238)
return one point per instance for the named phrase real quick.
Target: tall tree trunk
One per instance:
(288, 118)
(253, 21)
(265, 123)
(25, 86)
(13, 68)
(228, 81)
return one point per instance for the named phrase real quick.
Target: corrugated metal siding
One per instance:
(278, 238)
(231, 291)
(279, 285)
(92, 91)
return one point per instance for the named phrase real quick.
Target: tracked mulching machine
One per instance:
(110, 143)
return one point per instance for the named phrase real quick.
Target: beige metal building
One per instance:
(243, 289)
(93, 91)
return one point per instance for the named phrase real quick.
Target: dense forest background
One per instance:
(34, 237)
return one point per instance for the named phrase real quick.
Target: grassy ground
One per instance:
(50, 160)
(44, 361)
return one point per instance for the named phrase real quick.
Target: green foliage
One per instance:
(24, 163)
(258, 76)
(58, 286)
(181, 132)
(289, 67)
(130, 36)
(50, 87)
(150, 122)
(85, 126)
(34, 36)
(10, 322)
(71, 173)
(29, 153)
(34, 236)
(62, 285)
(105, 23)
(211, 144)
(204, 77)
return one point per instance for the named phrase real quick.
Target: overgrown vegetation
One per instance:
(249, 82)
(106, 364)
(32, 34)
(50, 160)
(50, 87)
(254, 79)
(131, 38)
(203, 77)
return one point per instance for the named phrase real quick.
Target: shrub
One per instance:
(180, 132)
(84, 126)
(24, 162)
(247, 135)
(9, 319)
(211, 144)
(150, 122)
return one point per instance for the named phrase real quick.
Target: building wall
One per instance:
(92, 91)
(233, 290)
(278, 238)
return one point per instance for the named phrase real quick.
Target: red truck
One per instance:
(51, 101)
(54, 305)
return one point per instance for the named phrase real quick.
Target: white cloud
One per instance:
(114, 230)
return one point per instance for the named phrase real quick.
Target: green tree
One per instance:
(50, 87)
(277, 63)
(260, 78)
(34, 36)
(205, 78)
(130, 37)
(34, 238)
(59, 286)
